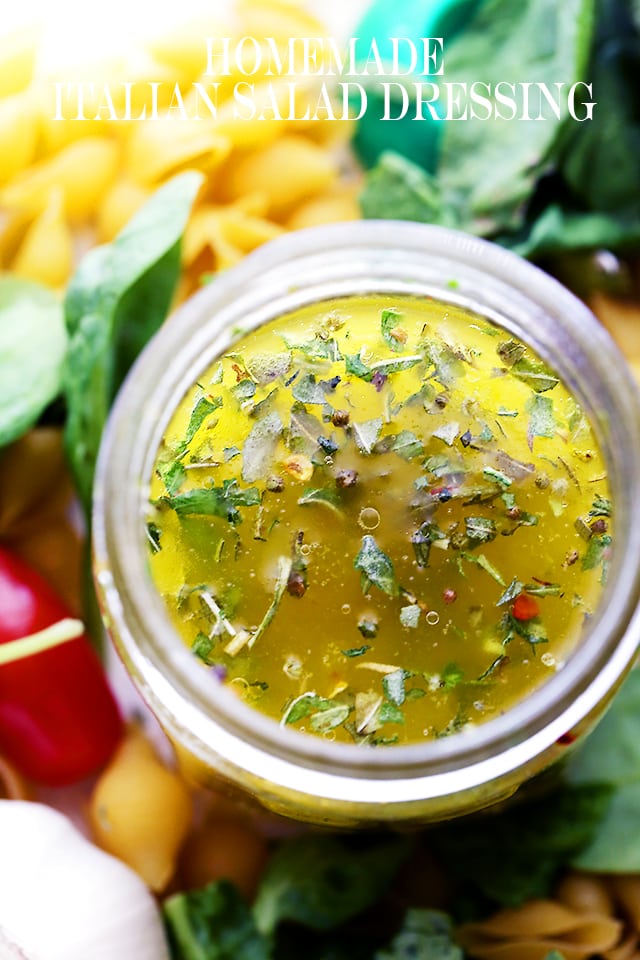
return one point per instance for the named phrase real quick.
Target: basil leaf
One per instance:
(376, 568)
(213, 923)
(322, 880)
(117, 299)
(33, 342)
(541, 420)
(327, 498)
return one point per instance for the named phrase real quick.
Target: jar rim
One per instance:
(167, 671)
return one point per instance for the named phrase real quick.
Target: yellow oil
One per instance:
(472, 471)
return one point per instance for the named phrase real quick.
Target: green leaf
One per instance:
(213, 924)
(307, 390)
(407, 445)
(596, 551)
(424, 935)
(390, 713)
(215, 501)
(452, 675)
(322, 881)
(541, 419)
(481, 561)
(260, 446)
(376, 568)
(354, 366)
(535, 374)
(494, 164)
(117, 299)
(204, 406)
(393, 686)
(366, 434)
(480, 529)
(397, 189)
(173, 475)
(611, 753)
(389, 320)
(325, 720)
(410, 615)
(536, 839)
(357, 651)
(324, 497)
(33, 342)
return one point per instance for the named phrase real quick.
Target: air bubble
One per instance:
(366, 354)
(328, 461)
(305, 549)
(346, 608)
(369, 518)
(548, 659)
(433, 617)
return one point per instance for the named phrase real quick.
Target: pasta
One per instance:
(66, 185)
(592, 916)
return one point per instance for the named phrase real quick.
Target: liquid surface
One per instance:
(380, 519)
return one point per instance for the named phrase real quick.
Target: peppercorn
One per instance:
(346, 478)
(340, 418)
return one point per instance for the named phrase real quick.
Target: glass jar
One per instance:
(218, 738)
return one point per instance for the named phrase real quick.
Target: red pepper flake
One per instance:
(566, 739)
(525, 608)
(239, 372)
(449, 595)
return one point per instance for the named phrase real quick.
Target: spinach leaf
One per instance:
(33, 342)
(424, 935)
(494, 164)
(213, 924)
(117, 299)
(322, 881)
(535, 839)
(397, 189)
(612, 754)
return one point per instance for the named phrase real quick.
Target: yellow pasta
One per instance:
(117, 206)
(83, 171)
(289, 170)
(19, 128)
(335, 205)
(160, 148)
(141, 811)
(46, 252)
(531, 931)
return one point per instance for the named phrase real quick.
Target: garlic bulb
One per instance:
(61, 898)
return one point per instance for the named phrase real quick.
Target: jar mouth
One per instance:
(373, 257)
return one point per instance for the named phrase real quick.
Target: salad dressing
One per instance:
(379, 519)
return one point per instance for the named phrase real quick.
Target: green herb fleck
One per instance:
(376, 568)
(202, 647)
(366, 434)
(410, 616)
(393, 686)
(215, 501)
(541, 420)
(390, 713)
(357, 651)
(480, 529)
(452, 675)
(325, 497)
(154, 533)
(389, 320)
